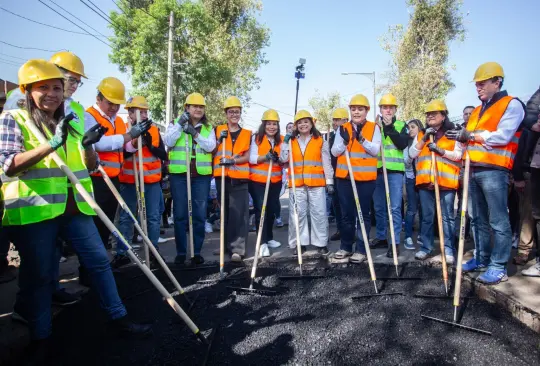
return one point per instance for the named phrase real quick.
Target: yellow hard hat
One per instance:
(69, 61)
(113, 90)
(436, 105)
(388, 99)
(137, 102)
(195, 99)
(340, 113)
(270, 115)
(359, 100)
(487, 71)
(37, 70)
(232, 102)
(303, 114)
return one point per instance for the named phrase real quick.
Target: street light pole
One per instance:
(299, 74)
(370, 76)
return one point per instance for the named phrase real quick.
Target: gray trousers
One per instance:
(236, 215)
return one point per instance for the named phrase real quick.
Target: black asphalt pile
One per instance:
(309, 322)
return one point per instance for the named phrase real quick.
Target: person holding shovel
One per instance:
(202, 141)
(313, 176)
(266, 147)
(362, 138)
(41, 204)
(448, 155)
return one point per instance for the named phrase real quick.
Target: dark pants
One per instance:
(256, 190)
(236, 214)
(535, 199)
(337, 208)
(4, 247)
(108, 203)
(349, 212)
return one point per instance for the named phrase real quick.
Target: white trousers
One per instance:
(310, 200)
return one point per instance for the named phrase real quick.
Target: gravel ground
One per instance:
(308, 323)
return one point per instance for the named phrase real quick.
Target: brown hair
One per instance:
(314, 131)
(262, 131)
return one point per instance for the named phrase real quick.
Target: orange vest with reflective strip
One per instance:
(110, 160)
(151, 164)
(499, 156)
(308, 167)
(447, 170)
(258, 172)
(237, 171)
(364, 166)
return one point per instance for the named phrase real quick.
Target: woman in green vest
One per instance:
(193, 126)
(41, 205)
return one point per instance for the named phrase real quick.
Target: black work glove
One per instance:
(226, 161)
(429, 132)
(223, 135)
(183, 119)
(330, 189)
(93, 135)
(140, 128)
(359, 136)
(436, 149)
(344, 135)
(147, 139)
(461, 135)
(288, 137)
(61, 132)
(272, 155)
(189, 129)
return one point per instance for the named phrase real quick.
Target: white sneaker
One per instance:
(161, 240)
(533, 271)
(264, 251)
(279, 222)
(63, 259)
(208, 227)
(170, 220)
(274, 244)
(357, 258)
(139, 239)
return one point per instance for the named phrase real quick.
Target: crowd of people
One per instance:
(499, 137)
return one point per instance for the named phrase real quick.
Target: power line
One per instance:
(46, 25)
(102, 41)
(106, 17)
(10, 61)
(95, 30)
(277, 110)
(20, 58)
(29, 48)
(2, 62)
(143, 9)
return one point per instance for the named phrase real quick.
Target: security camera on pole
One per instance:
(299, 74)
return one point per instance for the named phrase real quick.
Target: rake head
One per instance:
(454, 324)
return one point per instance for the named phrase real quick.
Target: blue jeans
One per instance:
(152, 198)
(200, 189)
(37, 247)
(488, 192)
(395, 185)
(349, 213)
(427, 200)
(412, 206)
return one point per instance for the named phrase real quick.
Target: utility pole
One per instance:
(169, 101)
(299, 74)
(370, 76)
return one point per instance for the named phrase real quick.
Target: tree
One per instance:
(418, 70)
(218, 48)
(323, 108)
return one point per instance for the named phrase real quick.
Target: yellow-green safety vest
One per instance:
(78, 110)
(177, 155)
(392, 155)
(41, 192)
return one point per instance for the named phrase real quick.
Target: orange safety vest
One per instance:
(498, 156)
(238, 171)
(258, 172)
(447, 170)
(364, 166)
(308, 167)
(151, 164)
(110, 160)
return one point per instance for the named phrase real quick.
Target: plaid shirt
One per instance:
(11, 140)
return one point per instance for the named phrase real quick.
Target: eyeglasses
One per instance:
(234, 113)
(432, 114)
(74, 81)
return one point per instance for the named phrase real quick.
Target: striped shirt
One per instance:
(11, 140)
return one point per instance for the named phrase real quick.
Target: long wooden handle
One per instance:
(459, 264)
(222, 218)
(190, 207)
(295, 206)
(141, 187)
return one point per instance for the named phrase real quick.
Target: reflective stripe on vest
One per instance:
(308, 167)
(203, 159)
(41, 192)
(447, 170)
(151, 164)
(238, 171)
(364, 166)
(497, 156)
(110, 160)
(258, 172)
(392, 155)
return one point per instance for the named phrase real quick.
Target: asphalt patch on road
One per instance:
(308, 323)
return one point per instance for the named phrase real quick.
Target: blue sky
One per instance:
(334, 37)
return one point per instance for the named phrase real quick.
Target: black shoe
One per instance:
(154, 262)
(84, 277)
(390, 253)
(127, 329)
(120, 261)
(63, 298)
(7, 273)
(322, 250)
(378, 243)
(180, 260)
(302, 249)
(196, 260)
(336, 236)
(37, 353)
